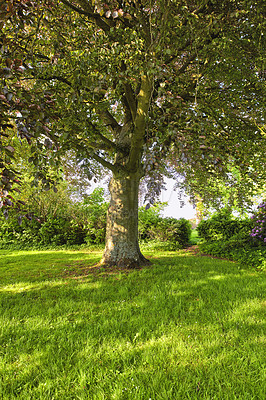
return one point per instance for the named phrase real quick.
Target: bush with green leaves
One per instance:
(172, 230)
(54, 220)
(55, 231)
(148, 219)
(223, 225)
(94, 207)
(153, 227)
(228, 237)
(60, 231)
(246, 254)
(9, 230)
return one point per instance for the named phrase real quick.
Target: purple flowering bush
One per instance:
(239, 240)
(258, 232)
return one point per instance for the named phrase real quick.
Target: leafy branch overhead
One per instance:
(136, 86)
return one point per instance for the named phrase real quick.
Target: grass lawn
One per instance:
(186, 327)
(194, 237)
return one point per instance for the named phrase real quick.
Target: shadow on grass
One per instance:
(181, 328)
(29, 266)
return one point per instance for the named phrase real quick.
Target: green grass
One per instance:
(185, 327)
(194, 238)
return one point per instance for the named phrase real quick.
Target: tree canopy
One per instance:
(83, 74)
(137, 86)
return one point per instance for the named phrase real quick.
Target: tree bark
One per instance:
(121, 246)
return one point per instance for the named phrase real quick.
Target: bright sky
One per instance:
(173, 209)
(171, 197)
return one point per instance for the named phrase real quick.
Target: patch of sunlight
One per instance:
(24, 362)
(155, 347)
(85, 283)
(217, 277)
(24, 287)
(20, 253)
(164, 341)
(248, 310)
(260, 340)
(196, 282)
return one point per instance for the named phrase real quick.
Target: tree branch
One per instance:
(192, 56)
(78, 9)
(91, 15)
(109, 120)
(90, 153)
(131, 102)
(50, 78)
(104, 163)
(143, 104)
(111, 145)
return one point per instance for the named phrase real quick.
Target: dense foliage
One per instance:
(159, 80)
(173, 232)
(56, 220)
(222, 225)
(229, 237)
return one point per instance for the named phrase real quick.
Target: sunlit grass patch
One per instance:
(185, 327)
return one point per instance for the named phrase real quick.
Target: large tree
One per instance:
(136, 86)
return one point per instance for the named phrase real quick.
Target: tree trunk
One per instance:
(121, 247)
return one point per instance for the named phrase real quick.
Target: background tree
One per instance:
(136, 85)
(15, 98)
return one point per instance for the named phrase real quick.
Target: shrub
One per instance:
(172, 230)
(223, 225)
(148, 219)
(60, 231)
(247, 255)
(61, 222)
(18, 232)
(153, 227)
(258, 232)
(75, 234)
(66, 223)
(228, 237)
(94, 208)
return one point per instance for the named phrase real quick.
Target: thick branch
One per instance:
(90, 153)
(106, 164)
(131, 100)
(127, 112)
(91, 15)
(99, 146)
(143, 105)
(109, 144)
(109, 120)
(186, 64)
(79, 10)
(103, 162)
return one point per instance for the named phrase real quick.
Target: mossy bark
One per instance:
(122, 247)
